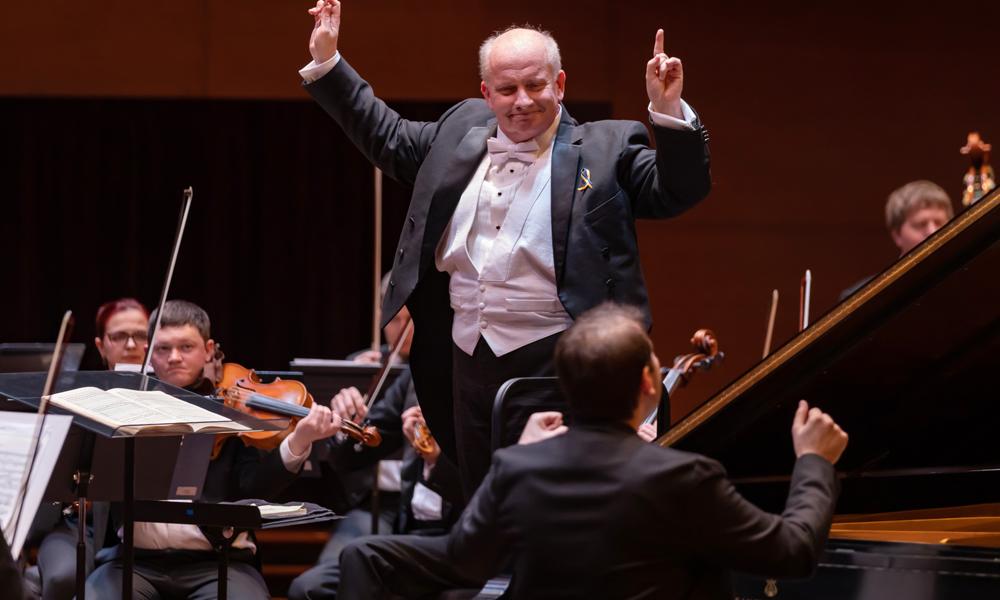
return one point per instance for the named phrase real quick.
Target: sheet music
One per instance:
(16, 430)
(117, 407)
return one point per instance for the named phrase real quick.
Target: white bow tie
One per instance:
(501, 152)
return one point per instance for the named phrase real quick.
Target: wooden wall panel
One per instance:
(816, 111)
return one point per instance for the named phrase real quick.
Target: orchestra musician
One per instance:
(122, 329)
(912, 213)
(639, 520)
(178, 561)
(520, 219)
(419, 494)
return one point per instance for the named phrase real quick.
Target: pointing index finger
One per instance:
(658, 44)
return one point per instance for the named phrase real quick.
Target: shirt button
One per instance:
(482, 324)
(482, 288)
(482, 305)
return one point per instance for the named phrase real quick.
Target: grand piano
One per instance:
(909, 365)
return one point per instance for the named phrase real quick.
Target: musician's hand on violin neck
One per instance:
(349, 404)
(412, 418)
(815, 432)
(319, 424)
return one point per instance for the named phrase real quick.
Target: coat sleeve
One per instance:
(669, 180)
(727, 530)
(394, 144)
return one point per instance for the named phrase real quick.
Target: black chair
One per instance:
(518, 389)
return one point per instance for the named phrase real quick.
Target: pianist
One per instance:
(912, 213)
(597, 512)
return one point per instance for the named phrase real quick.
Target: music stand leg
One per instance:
(128, 516)
(82, 479)
(223, 590)
(81, 547)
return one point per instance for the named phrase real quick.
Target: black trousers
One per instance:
(399, 566)
(177, 575)
(476, 381)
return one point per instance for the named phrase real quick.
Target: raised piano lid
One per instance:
(909, 365)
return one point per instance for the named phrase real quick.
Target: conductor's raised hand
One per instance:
(326, 30)
(814, 432)
(664, 80)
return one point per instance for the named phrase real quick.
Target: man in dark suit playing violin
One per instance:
(179, 561)
(596, 512)
(520, 218)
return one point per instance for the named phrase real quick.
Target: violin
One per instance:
(423, 441)
(242, 389)
(686, 365)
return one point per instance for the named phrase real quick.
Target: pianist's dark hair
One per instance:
(599, 361)
(178, 313)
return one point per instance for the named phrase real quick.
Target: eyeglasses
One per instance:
(122, 337)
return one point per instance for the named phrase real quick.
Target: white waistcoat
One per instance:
(505, 288)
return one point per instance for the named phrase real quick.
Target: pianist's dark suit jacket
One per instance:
(598, 513)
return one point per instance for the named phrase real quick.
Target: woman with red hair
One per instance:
(122, 332)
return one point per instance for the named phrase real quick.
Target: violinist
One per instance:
(639, 520)
(174, 560)
(421, 493)
(121, 326)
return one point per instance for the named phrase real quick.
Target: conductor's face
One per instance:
(520, 87)
(180, 354)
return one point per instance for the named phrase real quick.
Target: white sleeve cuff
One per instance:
(313, 71)
(666, 120)
(292, 461)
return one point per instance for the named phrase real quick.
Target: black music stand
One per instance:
(326, 377)
(98, 462)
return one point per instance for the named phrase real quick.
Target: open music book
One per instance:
(132, 411)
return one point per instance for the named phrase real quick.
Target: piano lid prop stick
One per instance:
(768, 335)
(805, 291)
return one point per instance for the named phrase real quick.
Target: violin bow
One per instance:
(65, 330)
(769, 334)
(377, 271)
(182, 223)
(805, 292)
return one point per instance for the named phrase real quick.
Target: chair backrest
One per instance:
(543, 392)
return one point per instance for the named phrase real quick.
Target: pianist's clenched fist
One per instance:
(814, 432)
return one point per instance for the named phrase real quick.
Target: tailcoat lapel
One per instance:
(565, 170)
(466, 158)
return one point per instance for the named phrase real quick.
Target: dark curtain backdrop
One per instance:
(278, 247)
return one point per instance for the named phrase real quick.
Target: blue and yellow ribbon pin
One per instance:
(585, 180)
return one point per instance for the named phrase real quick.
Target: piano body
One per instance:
(909, 365)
